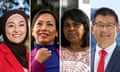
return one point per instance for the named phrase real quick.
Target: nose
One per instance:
(71, 27)
(43, 27)
(16, 29)
(104, 28)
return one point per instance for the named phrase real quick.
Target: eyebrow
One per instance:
(14, 23)
(43, 21)
(10, 23)
(21, 21)
(49, 21)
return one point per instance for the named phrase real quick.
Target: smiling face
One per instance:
(44, 30)
(15, 28)
(73, 31)
(105, 34)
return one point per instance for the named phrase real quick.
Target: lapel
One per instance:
(114, 59)
(93, 49)
(11, 59)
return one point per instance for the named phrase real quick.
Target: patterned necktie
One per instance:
(101, 61)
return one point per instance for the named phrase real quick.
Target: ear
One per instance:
(56, 35)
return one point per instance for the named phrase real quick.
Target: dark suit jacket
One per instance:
(114, 62)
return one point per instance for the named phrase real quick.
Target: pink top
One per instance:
(74, 61)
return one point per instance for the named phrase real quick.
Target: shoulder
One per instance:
(117, 47)
(3, 52)
(4, 48)
(3, 45)
(33, 52)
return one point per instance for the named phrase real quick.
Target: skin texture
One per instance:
(44, 32)
(105, 36)
(16, 28)
(73, 31)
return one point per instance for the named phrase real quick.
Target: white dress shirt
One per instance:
(109, 51)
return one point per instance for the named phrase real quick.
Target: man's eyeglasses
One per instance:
(106, 25)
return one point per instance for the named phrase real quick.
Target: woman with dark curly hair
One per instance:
(75, 41)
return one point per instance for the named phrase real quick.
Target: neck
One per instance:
(44, 43)
(77, 48)
(105, 45)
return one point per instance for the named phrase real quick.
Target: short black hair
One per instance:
(104, 12)
(78, 16)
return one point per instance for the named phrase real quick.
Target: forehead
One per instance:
(16, 17)
(69, 20)
(46, 16)
(107, 18)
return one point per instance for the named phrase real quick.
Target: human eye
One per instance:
(39, 23)
(66, 25)
(10, 25)
(50, 24)
(109, 25)
(77, 24)
(21, 25)
(99, 24)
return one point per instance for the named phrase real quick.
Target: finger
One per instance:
(44, 49)
(47, 52)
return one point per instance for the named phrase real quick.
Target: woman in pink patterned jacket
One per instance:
(75, 41)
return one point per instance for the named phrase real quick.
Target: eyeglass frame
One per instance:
(106, 25)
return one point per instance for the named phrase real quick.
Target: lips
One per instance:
(105, 35)
(43, 35)
(71, 33)
(16, 35)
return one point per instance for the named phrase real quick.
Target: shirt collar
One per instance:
(50, 47)
(109, 49)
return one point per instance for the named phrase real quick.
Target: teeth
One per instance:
(16, 35)
(104, 35)
(43, 34)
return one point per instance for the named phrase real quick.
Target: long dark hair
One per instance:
(77, 16)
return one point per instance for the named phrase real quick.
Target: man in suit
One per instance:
(105, 55)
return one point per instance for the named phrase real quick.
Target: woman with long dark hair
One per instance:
(75, 41)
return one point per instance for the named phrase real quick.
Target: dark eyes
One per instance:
(66, 25)
(10, 25)
(74, 25)
(39, 24)
(48, 24)
(22, 25)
